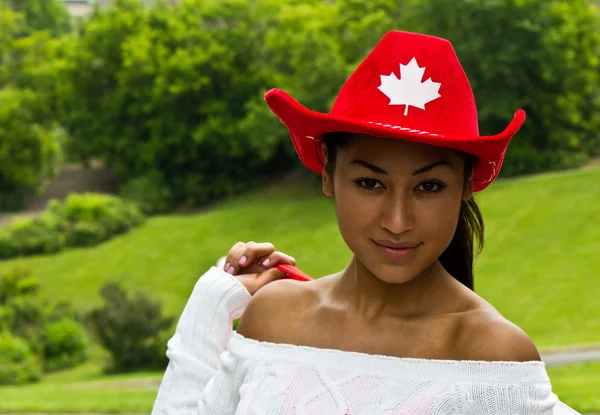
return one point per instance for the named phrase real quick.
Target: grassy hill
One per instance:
(540, 265)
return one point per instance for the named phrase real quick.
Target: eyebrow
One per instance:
(422, 170)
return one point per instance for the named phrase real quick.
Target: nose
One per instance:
(397, 213)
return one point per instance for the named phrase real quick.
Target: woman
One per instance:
(400, 330)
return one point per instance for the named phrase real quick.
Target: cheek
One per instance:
(437, 220)
(355, 213)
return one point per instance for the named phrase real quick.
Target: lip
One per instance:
(396, 250)
(386, 243)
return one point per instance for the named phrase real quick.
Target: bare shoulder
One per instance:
(488, 336)
(275, 311)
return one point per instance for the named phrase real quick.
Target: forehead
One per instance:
(395, 152)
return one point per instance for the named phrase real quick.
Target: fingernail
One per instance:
(266, 262)
(231, 270)
(242, 260)
(227, 266)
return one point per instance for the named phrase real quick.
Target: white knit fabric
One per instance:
(213, 370)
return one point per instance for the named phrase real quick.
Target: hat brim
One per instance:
(306, 127)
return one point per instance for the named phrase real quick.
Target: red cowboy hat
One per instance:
(410, 87)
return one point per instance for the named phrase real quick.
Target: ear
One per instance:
(468, 188)
(326, 178)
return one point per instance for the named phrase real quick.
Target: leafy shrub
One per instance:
(112, 213)
(150, 192)
(86, 233)
(7, 246)
(66, 344)
(52, 333)
(81, 220)
(35, 236)
(24, 313)
(130, 328)
(17, 281)
(18, 365)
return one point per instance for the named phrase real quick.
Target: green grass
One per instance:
(83, 390)
(578, 386)
(541, 262)
(539, 268)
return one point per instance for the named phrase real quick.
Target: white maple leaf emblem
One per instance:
(409, 90)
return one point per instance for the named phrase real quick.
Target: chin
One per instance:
(393, 274)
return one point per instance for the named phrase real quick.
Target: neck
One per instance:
(373, 298)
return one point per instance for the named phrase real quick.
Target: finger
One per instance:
(269, 275)
(248, 254)
(232, 251)
(278, 258)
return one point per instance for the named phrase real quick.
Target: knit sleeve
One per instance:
(199, 344)
(493, 398)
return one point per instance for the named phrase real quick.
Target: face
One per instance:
(397, 203)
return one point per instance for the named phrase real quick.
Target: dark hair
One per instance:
(458, 258)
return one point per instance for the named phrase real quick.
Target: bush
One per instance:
(86, 233)
(24, 314)
(81, 220)
(66, 344)
(150, 192)
(7, 246)
(35, 236)
(130, 328)
(113, 214)
(18, 365)
(51, 333)
(539, 55)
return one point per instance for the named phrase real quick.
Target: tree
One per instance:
(178, 90)
(30, 141)
(41, 15)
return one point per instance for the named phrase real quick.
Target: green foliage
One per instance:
(179, 89)
(150, 192)
(361, 24)
(131, 328)
(7, 247)
(18, 365)
(30, 139)
(66, 344)
(37, 335)
(28, 151)
(83, 219)
(35, 236)
(40, 15)
(540, 55)
(86, 234)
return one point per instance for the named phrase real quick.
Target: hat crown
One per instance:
(413, 82)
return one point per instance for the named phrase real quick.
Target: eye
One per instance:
(431, 186)
(368, 184)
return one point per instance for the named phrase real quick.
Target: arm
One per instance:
(203, 332)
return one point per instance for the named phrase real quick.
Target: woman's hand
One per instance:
(253, 264)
